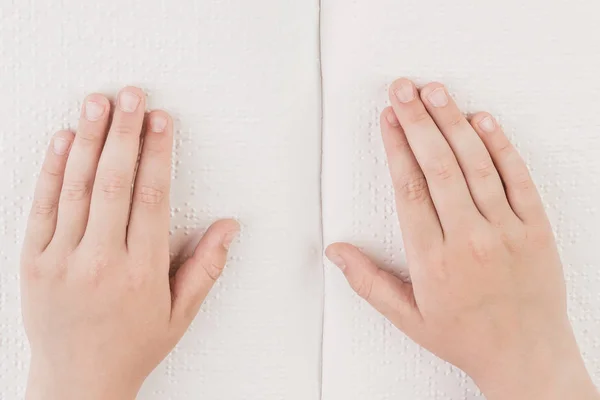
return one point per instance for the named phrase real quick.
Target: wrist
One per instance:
(541, 386)
(52, 383)
(548, 376)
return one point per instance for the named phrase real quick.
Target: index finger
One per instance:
(447, 185)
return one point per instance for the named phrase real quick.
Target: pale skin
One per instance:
(99, 305)
(487, 291)
(101, 308)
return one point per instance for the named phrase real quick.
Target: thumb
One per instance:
(388, 294)
(198, 274)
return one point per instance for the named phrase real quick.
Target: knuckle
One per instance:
(96, 265)
(481, 248)
(400, 146)
(413, 188)
(31, 273)
(442, 169)
(485, 169)
(505, 148)
(514, 240)
(435, 261)
(455, 121)
(44, 207)
(47, 266)
(363, 287)
(540, 238)
(51, 171)
(149, 195)
(99, 261)
(30, 268)
(86, 137)
(113, 184)
(75, 190)
(155, 147)
(212, 269)
(523, 182)
(494, 198)
(418, 117)
(440, 271)
(137, 280)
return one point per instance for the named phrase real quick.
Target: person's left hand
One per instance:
(99, 306)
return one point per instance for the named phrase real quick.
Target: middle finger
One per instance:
(111, 196)
(445, 179)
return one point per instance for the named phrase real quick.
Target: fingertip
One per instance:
(478, 116)
(197, 275)
(233, 231)
(222, 233)
(402, 90)
(484, 122)
(389, 118)
(97, 98)
(338, 247)
(61, 142)
(341, 254)
(430, 87)
(64, 134)
(131, 99)
(400, 82)
(330, 249)
(333, 254)
(228, 225)
(135, 90)
(160, 121)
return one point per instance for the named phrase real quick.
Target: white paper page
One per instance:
(533, 64)
(241, 80)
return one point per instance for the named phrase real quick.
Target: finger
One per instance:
(387, 294)
(196, 277)
(150, 213)
(520, 188)
(111, 196)
(475, 162)
(418, 217)
(42, 219)
(81, 169)
(446, 182)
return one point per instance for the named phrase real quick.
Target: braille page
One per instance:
(534, 65)
(241, 79)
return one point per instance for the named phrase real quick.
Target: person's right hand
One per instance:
(487, 291)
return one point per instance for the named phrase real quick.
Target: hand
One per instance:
(487, 291)
(99, 307)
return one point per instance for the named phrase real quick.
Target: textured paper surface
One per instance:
(534, 65)
(242, 81)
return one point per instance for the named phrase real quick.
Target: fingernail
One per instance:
(487, 124)
(128, 101)
(158, 123)
(438, 98)
(229, 237)
(392, 119)
(405, 92)
(337, 260)
(60, 146)
(93, 111)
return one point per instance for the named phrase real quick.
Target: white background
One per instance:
(242, 80)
